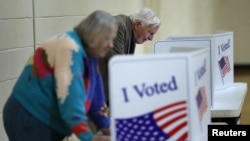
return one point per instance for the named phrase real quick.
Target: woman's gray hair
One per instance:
(146, 16)
(94, 24)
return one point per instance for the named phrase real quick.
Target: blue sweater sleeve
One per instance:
(70, 89)
(73, 109)
(98, 111)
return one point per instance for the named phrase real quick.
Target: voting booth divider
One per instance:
(221, 47)
(161, 97)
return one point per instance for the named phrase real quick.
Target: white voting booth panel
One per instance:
(222, 55)
(161, 97)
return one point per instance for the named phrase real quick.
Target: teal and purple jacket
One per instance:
(60, 85)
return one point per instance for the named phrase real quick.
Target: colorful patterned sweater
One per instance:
(60, 85)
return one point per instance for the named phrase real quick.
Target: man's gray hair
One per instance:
(94, 24)
(146, 16)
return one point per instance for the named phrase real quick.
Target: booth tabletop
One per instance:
(228, 102)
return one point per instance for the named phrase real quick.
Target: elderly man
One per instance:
(137, 28)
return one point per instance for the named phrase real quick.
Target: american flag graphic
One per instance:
(202, 103)
(168, 123)
(224, 65)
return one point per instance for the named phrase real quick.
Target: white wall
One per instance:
(16, 44)
(56, 16)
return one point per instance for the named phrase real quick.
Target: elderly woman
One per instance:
(60, 86)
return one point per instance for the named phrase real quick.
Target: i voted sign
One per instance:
(148, 90)
(160, 97)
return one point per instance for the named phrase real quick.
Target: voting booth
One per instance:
(160, 97)
(221, 47)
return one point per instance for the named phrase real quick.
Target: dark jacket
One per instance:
(123, 44)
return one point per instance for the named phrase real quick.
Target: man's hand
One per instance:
(101, 138)
(106, 131)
